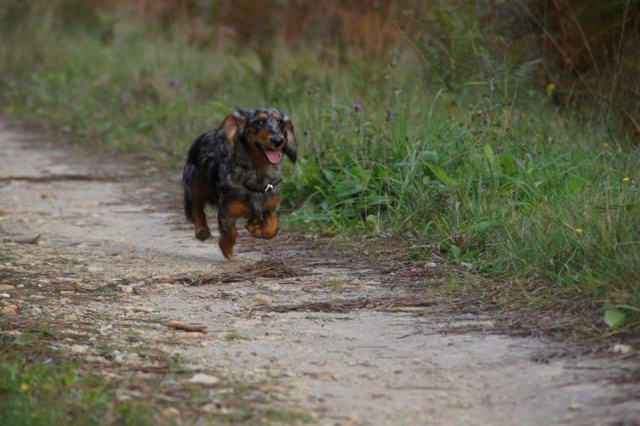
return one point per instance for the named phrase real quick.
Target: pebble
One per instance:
(204, 379)
(6, 287)
(79, 349)
(274, 287)
(210, 408)
(261, 299)
(125, 357)
(619, 348)
(171, 412)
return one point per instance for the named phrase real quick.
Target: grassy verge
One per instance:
(39, 387)
(488, 174)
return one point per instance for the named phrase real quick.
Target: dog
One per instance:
(236, 169)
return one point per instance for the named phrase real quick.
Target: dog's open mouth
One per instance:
(273, 155)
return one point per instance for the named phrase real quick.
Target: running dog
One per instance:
(236, 168)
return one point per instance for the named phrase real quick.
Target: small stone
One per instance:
(431, 265)
(619, 348)
(204, 379)
(326, 377)
(5, 295)
(210, 408)
(6, 287)
(261, 299)
(79, 349)
(8, 310)
(274, 287)
(574, 406)
(70, 317)
(126, 289)
(36, 311)
(121, 358)
(105, 329)
(96, 359)
(171, 412)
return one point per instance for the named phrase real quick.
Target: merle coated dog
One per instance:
(236, 168)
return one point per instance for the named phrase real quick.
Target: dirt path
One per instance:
(337, 340)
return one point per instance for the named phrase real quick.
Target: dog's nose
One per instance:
(277, 140)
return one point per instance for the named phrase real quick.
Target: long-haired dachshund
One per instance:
(236, 169)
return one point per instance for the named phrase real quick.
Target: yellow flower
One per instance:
(24, 387)
(578, 230)
(550, 88)
(606, 145)
(626, 179)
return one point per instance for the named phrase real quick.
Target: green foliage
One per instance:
(37, 387)
(618, 316)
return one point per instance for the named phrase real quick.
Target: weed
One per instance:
(39, 387)
(234, 336)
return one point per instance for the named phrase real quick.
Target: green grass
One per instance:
(487, 173)
(39, 387)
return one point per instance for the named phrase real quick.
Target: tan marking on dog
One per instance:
(230, 127)
(272, 202)
(267, 229)
(226, 244)
(237, 209)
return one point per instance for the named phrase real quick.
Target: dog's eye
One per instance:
(260, 123)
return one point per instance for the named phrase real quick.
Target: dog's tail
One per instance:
(189, 176)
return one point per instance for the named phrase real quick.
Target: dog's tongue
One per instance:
(274, 157)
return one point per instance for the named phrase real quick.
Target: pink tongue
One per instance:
(274, 156)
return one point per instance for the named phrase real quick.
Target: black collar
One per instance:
(267, 188)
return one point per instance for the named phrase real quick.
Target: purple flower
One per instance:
(173, 81)
(356, 106)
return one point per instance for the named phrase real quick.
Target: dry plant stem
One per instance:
(178, 325)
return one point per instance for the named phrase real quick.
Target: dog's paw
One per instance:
(252, 226)
(227, 250)
(203, 234)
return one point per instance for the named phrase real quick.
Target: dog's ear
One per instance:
(233, 126)
(290, 139)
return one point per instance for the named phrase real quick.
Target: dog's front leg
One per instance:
(228, 234)
(266, 229)
(228, 213)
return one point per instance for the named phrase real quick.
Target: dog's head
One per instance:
(267, 132)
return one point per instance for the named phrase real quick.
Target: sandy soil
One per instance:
(346, 342)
